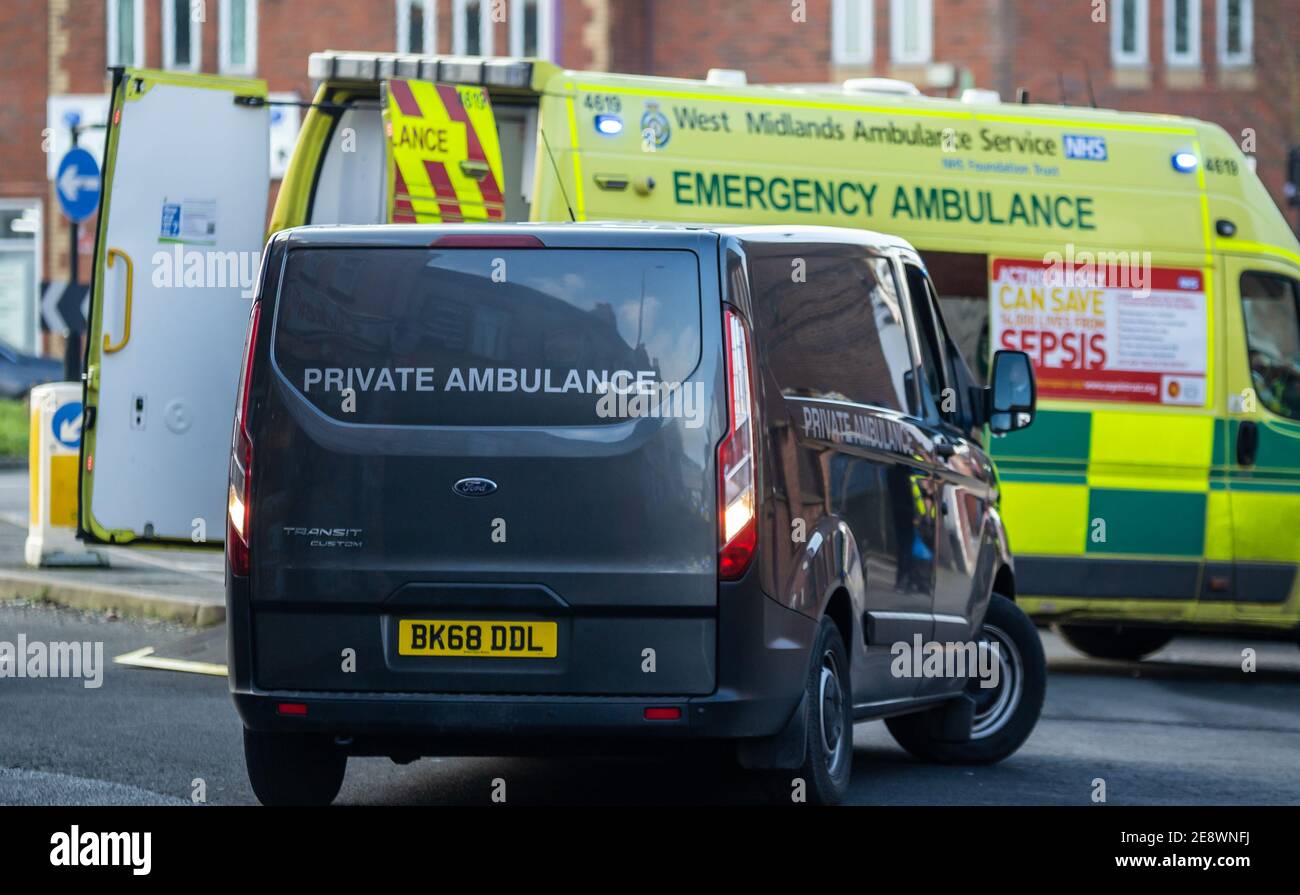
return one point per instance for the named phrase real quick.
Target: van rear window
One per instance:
(483, 337)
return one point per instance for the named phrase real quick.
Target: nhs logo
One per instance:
(1088, 149)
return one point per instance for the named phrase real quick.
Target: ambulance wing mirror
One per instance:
(1011, 393)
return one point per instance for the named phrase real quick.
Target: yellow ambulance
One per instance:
(1136, 258)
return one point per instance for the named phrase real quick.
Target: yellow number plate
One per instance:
(503, 640)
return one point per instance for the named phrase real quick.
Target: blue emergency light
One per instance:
(609, 125)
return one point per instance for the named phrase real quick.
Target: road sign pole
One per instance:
(72, 342)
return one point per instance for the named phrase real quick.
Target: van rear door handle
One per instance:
(475, 169)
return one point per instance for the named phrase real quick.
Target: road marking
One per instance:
(144, 658)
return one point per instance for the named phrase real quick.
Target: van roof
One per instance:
(565, 235)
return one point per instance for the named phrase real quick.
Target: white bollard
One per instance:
(53, 455)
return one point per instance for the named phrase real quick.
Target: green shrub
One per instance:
(15, 422)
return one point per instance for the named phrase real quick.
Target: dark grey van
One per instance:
(498, 488)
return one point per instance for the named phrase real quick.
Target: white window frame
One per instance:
(169, 42)
(840, 53)
(545, 28)
(1139, 56)
(430, 25)
(1192, 58)
(486, 31)
(250, 41)
(898, 11)
(111, 8)
(1246, 56)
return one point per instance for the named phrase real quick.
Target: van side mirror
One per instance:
(1011, 393)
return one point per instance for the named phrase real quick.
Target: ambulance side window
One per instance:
(1271, 306)
(927, 334)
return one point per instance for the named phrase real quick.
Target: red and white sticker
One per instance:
(1105, 332)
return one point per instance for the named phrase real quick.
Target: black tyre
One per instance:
(828, 757)
(293, 769)
(1124, 644)
(1004, 715)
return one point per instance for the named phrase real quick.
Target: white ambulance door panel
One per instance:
(178, 252)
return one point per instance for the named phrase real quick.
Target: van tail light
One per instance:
(737, 488)
(241, 460)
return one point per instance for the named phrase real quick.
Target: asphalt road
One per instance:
(1185, 727)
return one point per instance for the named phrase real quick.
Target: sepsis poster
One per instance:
(1104, 328)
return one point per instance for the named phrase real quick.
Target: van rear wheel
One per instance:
(293, 768)
(828, 749)
(1124, 644)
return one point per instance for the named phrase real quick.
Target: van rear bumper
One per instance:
(761, 659)
(456, 717)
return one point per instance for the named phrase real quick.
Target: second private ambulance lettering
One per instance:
(854, 429)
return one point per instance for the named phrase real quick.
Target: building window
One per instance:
(471, 28)
(530, 28)
(1183, 32)
(238, 37)
(417, 26)
(182, 36)
(21, 251)
(1128, 33)
(911, 31)
(852, 34)
(1236, 29)
(126, 32)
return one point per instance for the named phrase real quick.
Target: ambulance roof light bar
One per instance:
(333, 65)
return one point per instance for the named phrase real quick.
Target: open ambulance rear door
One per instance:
(181, 230)
(444, 156)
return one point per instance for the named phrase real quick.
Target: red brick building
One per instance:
(1235, 62)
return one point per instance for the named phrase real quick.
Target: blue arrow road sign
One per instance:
(77, 184)
(66, 424)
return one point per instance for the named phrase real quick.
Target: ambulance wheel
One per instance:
(828, 755)
(1125, 644)
(1004, 715)
(293, 768)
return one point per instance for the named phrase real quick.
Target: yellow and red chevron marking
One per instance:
(489, 187)
(440, 137)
